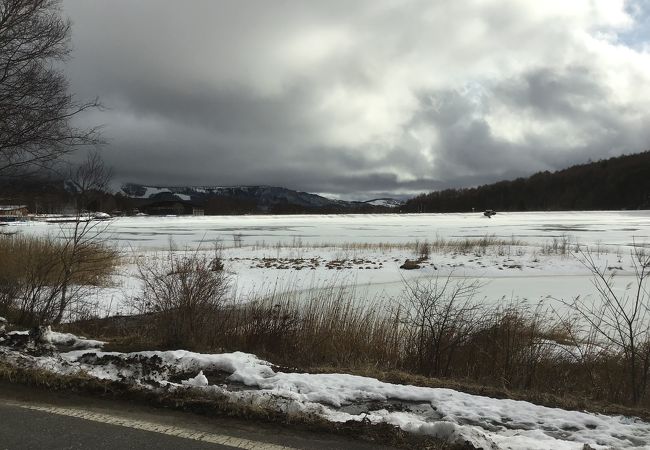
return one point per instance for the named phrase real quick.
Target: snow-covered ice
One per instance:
(512, 272)
(615, 228)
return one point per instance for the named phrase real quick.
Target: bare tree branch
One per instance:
(36, 109)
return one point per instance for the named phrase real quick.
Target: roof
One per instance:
(11, 207)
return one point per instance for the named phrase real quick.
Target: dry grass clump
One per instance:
(557, 246)
(328, 326)
(298, 243)
(21, 255)
(43, 278)
(422, 248)
(476, 246)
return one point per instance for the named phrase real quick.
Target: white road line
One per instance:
(221, 439)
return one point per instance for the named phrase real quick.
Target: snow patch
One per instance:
(386, 202)
(69, 340)
(198, 381)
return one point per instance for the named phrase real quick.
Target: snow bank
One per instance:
(18, 333)
(444, 413)
(69, 340)
(45, 336)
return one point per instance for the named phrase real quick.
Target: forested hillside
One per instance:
(616, 183)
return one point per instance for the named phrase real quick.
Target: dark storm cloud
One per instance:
(362, 98)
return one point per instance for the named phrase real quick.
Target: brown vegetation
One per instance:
(183, 292)
(43, 278)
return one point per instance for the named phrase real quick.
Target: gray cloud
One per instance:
(363, 98)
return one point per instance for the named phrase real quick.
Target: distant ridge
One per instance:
(622, 182)
(243, 199)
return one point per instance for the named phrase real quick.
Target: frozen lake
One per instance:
(613, 228)
(523, 272)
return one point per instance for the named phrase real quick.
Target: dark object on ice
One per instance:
(410, 265)
(489, 213)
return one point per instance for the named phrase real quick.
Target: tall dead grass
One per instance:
(42, 278)
(328, 326)
(438, 244)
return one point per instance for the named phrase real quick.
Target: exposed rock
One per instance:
(410, 265)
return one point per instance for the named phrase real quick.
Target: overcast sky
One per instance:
(361, 98)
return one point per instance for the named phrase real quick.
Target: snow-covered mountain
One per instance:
(265, 198)
(385, 202)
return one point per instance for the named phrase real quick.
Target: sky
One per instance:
(360, 99)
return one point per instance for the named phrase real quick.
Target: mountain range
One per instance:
(224, 199)
(621, 182)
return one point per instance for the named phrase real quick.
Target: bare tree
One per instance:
(84, 236)
(439, 316)
(89, 180)
(36, 108)
(621, 319)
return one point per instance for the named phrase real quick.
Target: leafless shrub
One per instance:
(557, 246)
(49, 277)
(183, 295)
(423, 250)
(621, 319)
(216, 263)
(595, 365)
(438, 318)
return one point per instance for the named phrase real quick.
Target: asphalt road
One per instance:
(35, 419)
(27, 429)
